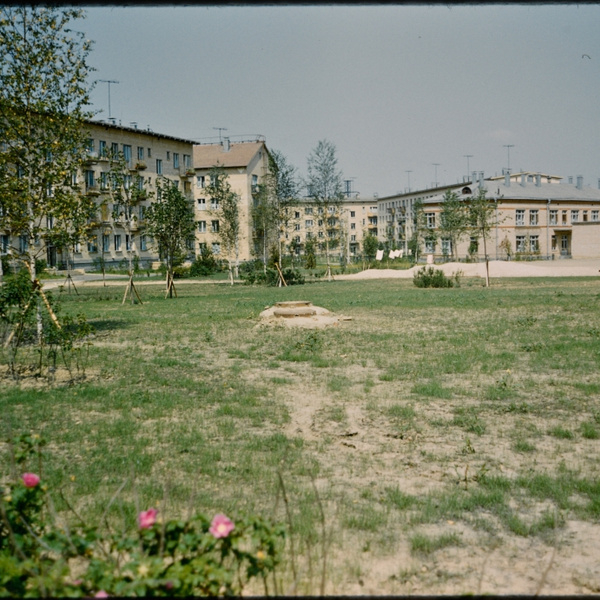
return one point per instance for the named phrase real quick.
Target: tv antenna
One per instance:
(436, 165)
(220, 129)
(468, 156)
(109, 81)
(508, 147)
(409, 172)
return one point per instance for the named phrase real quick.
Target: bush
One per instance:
(253, 273)
(430, 277)
(40, 556)
(204, 265)
(181, 272)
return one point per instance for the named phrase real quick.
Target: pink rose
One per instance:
(147, 518)
(30, 480)
(221, 526)
(101, 594)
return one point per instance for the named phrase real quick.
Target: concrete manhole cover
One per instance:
(299, 313)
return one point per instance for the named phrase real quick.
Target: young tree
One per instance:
(454, 220)
(370, 246)
(419, 229)
(126, 191)
(482, 218)
(325, 188)
(43, 99)
(228, 202)
(170, 222)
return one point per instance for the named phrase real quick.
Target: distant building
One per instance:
(539, 216)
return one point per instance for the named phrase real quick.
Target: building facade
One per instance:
(536, 216)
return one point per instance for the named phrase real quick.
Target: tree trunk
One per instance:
(487, 264)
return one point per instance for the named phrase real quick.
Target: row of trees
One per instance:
(475, 218)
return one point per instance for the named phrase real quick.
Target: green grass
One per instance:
(413, 413)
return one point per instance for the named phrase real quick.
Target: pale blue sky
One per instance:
(396, 88)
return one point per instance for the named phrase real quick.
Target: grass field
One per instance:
(450, 437)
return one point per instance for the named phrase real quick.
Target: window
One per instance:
(127, 153)
(103, 181)
(585, 216)
(143, 243)
(23, 243)
(564, 217)
(553, 217)
(92, 244)
(352, 214)
(308, 210)
(114, 149)
(254, 181)
(90, 182)
(321, 234)
(430, 217)
(216, 248)
(89, 145)
(446, 247)
(168, 155)
(534, 243)
(102, 149)
(201, 203)
(140, 153)
(159, 166)
(574, 216)
(595, 215)
(187, 161)
(202, 226)
(519, 217)
(105, 243)
(320, 222)
(117, 242)
(4, 243)
(520, 247)
(352, 238)
(200, 181)
(296, 215)
(533, 217)
(214, 225)
(77, 247)
(128, 242)
(554, 242)
(331, 209)
(352, 225)
(149, 152)
(297, 227)
(142, 212)
(176, 160)
(127, 182)
(429, 246)
(214, 204)
(308, 223)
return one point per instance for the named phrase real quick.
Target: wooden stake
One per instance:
(281, 279)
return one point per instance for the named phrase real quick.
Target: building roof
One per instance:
(148, 132)
(238, 155)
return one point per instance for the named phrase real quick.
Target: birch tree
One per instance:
(482, 218)
(325, 189)
(454, 220)
(227, 207)
(170, 222)
(43, 99)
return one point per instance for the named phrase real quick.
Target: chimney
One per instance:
(474, 178)
(579, 182)
(523, 179)
(480, 179)
(538, 180)
(507, 178)
(599, 184)
(570, 179)
(226, 146)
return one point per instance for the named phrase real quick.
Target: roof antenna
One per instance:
(220, 129)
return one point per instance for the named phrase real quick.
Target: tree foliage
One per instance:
(325, 189)
(370, 245)
(170, 222)
(228, 202)
(43, 100)
(482, 219)
(454, 220)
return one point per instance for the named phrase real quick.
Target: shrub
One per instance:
(253, 273)
(204, 265)
(430, 277)
(40, 556)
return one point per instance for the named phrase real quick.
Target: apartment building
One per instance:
(537, 215)
(246, 162)
(347, 223)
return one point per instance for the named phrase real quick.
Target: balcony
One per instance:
(92, 190)
(91, 158)
(185, 172)
(140, 165)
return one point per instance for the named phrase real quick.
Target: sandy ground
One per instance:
(498, 268)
